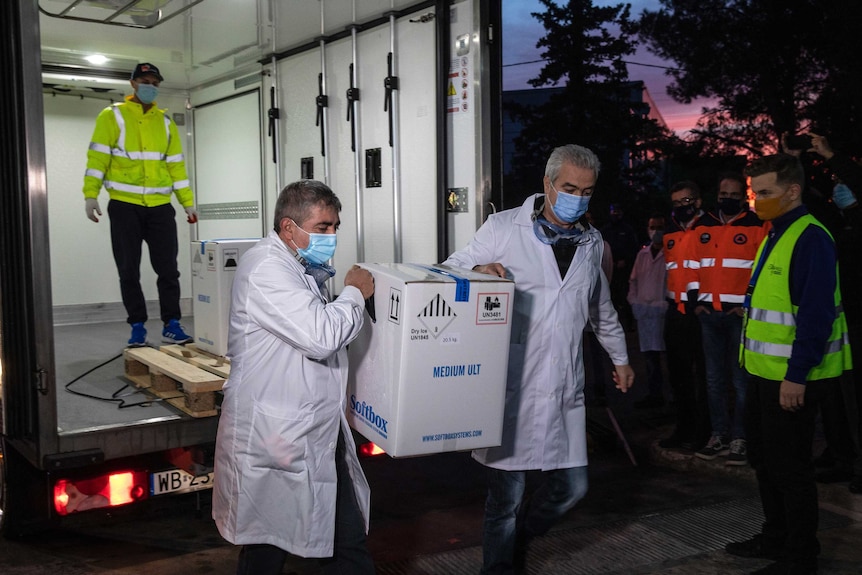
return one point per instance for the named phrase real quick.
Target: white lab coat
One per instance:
(275, 478)
(544, 425)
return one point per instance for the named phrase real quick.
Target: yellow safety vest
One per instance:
(770, 322)
(138, 157)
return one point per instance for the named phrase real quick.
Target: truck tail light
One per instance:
(109, 490)
(370, 450)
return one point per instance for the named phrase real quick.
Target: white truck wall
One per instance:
(82, 264)
(463, 109)
(298, 79)
(227, 160)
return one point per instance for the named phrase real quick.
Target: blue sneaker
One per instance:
(139, 335)
(173, 333)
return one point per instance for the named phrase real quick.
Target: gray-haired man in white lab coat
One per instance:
(554, 256)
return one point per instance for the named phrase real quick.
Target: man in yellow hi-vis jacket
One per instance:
(136, 153)
(795, 344)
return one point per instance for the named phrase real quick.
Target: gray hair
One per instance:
(297, 199)
(571, 154)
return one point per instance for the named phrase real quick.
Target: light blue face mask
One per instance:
(843, 196)
(321, 247)
(147, 93)
(569, 207)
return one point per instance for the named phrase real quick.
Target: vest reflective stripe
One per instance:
(784, 350)
(175, 158)
(737, 263)
(137, 189)
(121, 124)
(770, 324)
(732, 263)
(725, 297)
(671, 266)
(672, 295)
(179, 185)
(120, 150)
(776, 349)
(771, 316)
(692, 264)
(100, 148)
(94, 173)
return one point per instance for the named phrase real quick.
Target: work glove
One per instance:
(191, 215)
(91, 208)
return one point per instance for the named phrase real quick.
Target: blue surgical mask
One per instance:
(843, 196)
(569, 207)
(321, 247)
(147, 93)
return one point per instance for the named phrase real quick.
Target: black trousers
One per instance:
(351, 550)
(687, 374)
(779, 450)
(132, 225)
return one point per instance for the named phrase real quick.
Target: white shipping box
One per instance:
(428, 374)
(214, 264)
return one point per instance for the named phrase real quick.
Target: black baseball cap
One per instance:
(146, 68)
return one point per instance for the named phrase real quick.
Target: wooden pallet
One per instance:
(185, 386)
(219, 366)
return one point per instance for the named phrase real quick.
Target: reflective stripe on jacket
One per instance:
(770, 325)
(725, 252)
(137, 156)
(681, 261)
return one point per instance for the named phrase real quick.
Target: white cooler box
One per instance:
(214, 263)
(429, 374)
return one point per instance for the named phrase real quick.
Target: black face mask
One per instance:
(729, 206)
(684, 214)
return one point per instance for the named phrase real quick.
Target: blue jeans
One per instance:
(721, 332)
(509, 519)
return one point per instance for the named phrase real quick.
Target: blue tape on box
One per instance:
(462, 284)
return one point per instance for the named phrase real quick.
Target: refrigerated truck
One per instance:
(393, 103)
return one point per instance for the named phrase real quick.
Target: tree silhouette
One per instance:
(583, 49)
(772, 66)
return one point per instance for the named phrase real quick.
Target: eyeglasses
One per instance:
(682, 202)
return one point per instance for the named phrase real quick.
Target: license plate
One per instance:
(178, 481)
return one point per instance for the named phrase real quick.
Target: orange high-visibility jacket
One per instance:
(725, 257)
(680, 256)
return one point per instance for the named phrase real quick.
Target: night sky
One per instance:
(521, 31)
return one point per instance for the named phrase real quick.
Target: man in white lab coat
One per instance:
(287, 477)
(554, 256)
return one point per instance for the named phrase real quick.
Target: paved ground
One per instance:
(672, 513)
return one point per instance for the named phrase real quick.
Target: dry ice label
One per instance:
(492, 308)
(435, 316)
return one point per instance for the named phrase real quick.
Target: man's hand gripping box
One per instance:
(428, 370)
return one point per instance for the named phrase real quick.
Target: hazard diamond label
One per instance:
(436, 315)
